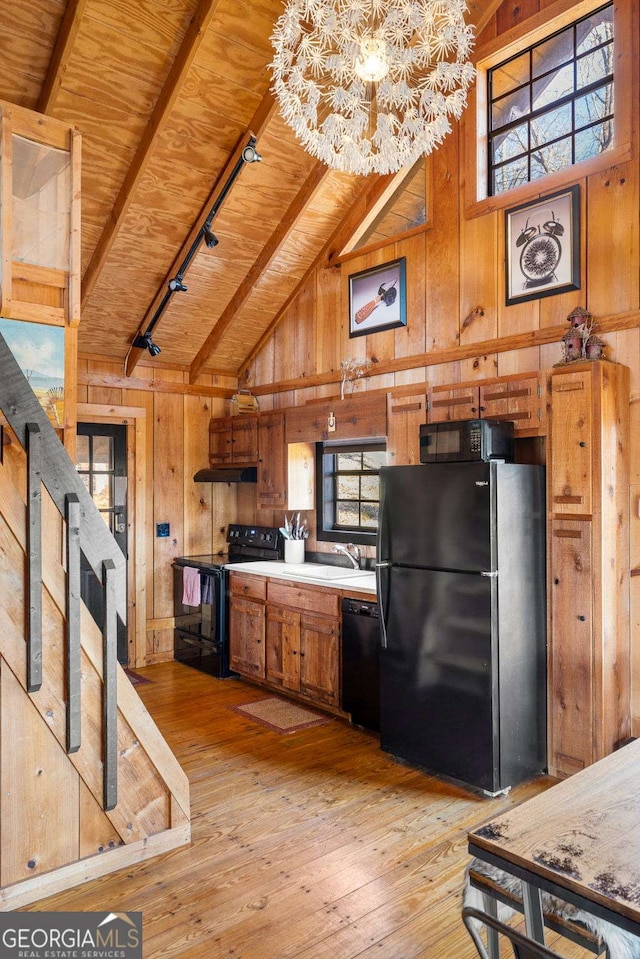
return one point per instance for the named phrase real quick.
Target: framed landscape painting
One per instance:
(39, 350)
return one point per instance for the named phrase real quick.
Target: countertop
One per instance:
(337, 577)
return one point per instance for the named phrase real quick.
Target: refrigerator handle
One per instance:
(381, 590)
(382, 562)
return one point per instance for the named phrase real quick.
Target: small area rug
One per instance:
(280, 715)
(136, 679)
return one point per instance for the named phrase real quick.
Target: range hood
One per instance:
(227, 474)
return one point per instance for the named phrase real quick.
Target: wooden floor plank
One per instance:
(313, 845)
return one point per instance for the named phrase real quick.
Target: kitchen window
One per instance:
(553, 105)
(348, 485)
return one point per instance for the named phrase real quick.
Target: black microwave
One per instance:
(466, 441)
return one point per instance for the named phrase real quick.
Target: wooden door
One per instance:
(454, 404)
(220, 441)
(518, 400)
(246, 636)
(272, 461)
(319, 657)
(572, 445)
(405, 415)
(283, 647)
(245, 439)
(571, 682)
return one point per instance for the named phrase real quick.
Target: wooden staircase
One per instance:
(87, 783)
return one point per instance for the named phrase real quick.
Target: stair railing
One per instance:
(48, 463)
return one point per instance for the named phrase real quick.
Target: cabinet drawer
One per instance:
(319, 600)
(248, 585)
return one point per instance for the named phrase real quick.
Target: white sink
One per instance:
(309, 571)
(318, 571)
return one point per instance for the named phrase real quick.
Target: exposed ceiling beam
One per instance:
(375, 189)
(481, 11)
(258, 123)
(317, 176)
(178, 73)
(61, 55)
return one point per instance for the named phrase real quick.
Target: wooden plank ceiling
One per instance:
(163, 93)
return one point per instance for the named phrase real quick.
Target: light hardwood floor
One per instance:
(312, 845)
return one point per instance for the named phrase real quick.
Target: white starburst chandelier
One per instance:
(369, 86)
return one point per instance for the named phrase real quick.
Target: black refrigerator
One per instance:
(461, 587)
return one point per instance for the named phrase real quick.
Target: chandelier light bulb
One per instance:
(372, 63)
(370, 86)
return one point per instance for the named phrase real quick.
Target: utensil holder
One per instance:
(294, 551)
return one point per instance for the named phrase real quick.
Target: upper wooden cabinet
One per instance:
(357, 417)
(587, 502)
(272, 461)
(39, 218)
(517, 398)
(451, 404)
(573, 444)
(233, 441)
(405, 415)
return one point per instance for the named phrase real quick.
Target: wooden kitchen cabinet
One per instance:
(357, 417)
(517, 398)
(272, 461)
(303, 641)
(451, 404)
(283, 647)
(233, 440)
(319, 658)
(571, 653)
(286, 635)
(587, 503)
(573, 444)
(247, 618)
(405, 415)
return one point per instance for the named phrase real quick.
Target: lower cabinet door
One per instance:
(283, 647)
(247, 637)
(571, 686)
(319, 667)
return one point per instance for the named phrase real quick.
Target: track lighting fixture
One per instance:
(250, 154)
(144, 342)
(176, 284)
(209, 237)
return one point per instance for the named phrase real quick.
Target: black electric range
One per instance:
(201, 605)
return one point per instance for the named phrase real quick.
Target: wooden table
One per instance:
(579, 840)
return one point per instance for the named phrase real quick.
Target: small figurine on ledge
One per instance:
(579, 343)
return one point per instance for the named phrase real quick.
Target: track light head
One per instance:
(251, 155)
(177, 286)
(143, 341)
(209, 237)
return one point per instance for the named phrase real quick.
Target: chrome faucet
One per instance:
(351, 551)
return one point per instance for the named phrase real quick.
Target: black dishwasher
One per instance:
(361, 662)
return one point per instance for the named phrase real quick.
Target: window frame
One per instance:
(536, 29)
(325, 508)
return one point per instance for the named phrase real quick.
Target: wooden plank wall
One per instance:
(177, 445)
(456, 296)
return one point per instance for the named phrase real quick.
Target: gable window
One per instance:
(349, 491)
(552, 106)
